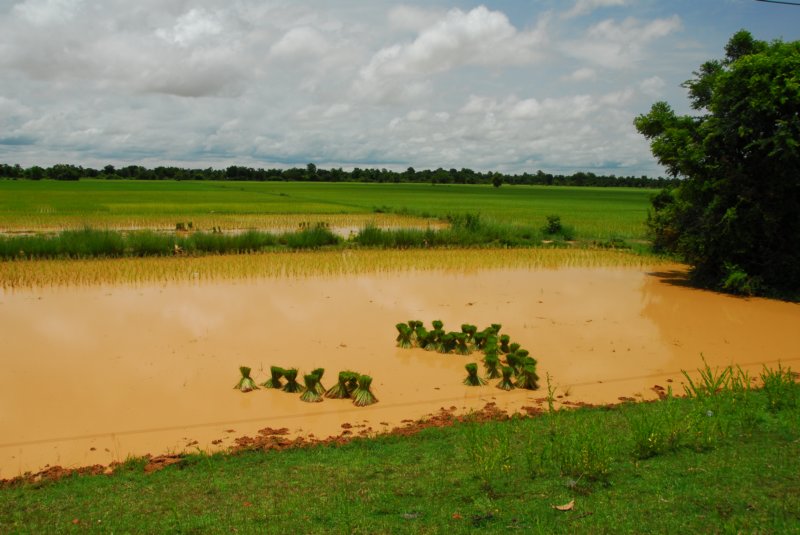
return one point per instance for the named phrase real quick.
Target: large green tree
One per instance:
(735, 217)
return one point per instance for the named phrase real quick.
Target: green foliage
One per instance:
(734, 216)
(780, 387)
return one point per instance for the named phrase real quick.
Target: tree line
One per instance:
(310, 173)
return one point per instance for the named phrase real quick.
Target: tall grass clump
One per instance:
(312, 237)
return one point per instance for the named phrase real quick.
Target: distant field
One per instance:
(592, 212)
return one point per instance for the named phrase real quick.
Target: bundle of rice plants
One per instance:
(504, 341)
(490, 343)
(513, 348)
(514, 362)
(340, 390)
(462, 347)
(469, 330)
(275, 380)
(352, 382)
(447, 343)
(414, 325)
(422, 335)
(495, 327)
(472, 375)
(310, 394)
(434, 342)
(527, 378)
(479, 338)
(505, 383)
(404, 336)
(319, 372)
(491, 363)
(245, 384)
(437, 325)
(291, 386)
(363, 396)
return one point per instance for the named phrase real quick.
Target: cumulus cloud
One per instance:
(619, 45)
(478, 37)
(274, 83)
(583, 7)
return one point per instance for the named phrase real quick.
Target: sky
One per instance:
(507, 85)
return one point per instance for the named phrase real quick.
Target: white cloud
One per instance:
(300, 42)
(652, 86)
(406, 17)
(582, 7)
(478, 37)
(191, 28)
(46, 12)
(582, 74)
(619, 45)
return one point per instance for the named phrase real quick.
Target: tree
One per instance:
(497, 180)
(735, 216)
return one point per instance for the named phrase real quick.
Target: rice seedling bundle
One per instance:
(506, 383)
(275, 378)
(319, 372)
(246, 383)
(291, 386)
(352, 383)
(504, 341)
(496, 328)
(363, 396)
(491, 362)
(447, 343)
(310, 394)
(513, 348)
(514, 362)
(404, 336)
(462, 348)
(340, 390)
(437, 325)
(472, 375)
(422, 336)
(527, 378)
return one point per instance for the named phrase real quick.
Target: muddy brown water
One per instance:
(97, 374)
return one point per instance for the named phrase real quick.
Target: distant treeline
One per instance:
(310, 173)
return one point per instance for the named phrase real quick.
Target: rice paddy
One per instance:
(594, 213)
(43, 273)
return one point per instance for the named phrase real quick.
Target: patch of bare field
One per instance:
(95, 373)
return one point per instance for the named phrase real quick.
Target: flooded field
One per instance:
(94, 374)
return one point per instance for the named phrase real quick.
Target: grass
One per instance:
(38, 273)
(741, 475)
(592, 213)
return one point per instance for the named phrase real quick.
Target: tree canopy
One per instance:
(735, 216)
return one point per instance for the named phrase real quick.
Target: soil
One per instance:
(95, 375)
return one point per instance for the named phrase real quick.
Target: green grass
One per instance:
(593, 213)
(734, 469)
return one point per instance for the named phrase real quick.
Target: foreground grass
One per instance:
(723, 463)
(594, 213)
(37, 273)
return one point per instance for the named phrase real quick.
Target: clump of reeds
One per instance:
(340, 390)
(291, 386)
(472, 375)
(275, 378)
(310, 394)
(362, 395)
(505, 383)
(319, 372)
(491, 362)
(246, 383)
(404, 336)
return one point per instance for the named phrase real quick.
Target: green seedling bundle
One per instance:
(518, 370)
(350, 385)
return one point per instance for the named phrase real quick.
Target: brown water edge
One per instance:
(96, 374)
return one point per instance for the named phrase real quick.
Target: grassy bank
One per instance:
(594, 213)
(724, 460)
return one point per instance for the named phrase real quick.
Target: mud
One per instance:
(93, 375)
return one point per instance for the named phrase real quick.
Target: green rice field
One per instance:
(593, 213)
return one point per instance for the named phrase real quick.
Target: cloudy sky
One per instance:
(511, 85)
